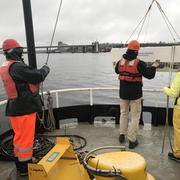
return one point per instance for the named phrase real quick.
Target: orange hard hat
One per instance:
(134, 45)
(10, 44)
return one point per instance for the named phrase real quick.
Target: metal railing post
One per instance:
(57, 100)
(91, 96)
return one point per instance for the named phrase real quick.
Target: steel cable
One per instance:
(141, 21)
(167, 20)
(169, 26)
(170, 75)
(48, 52)
(59, 10)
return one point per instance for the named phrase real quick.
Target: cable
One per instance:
(170, 74)
(103, 172)
(60, 5)
(52, 38)
(142, 20)
(40, 148)
(147, 26)
(167, 105)
(165, 17)
(42, 145)
(75, 147)
(169, 26)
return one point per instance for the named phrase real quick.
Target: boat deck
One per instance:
(106, 133)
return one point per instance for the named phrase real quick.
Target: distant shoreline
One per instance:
(167, 69)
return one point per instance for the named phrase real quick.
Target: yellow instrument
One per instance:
(62, 163)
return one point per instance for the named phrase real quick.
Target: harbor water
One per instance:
(87, 70)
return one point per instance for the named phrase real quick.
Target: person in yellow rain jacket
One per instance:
(174, 92)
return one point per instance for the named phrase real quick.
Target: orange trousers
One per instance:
(24, 129)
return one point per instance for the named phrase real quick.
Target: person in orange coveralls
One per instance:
(21, 84)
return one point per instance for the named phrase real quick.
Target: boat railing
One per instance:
(91, 110)
(91, 90)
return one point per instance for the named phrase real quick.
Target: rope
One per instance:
(40, 148)
(50, 121)
(42, 145)
(59, 10)
(147, 26)
(167, 105)
(48, 52)
(165, 19)
(77, 144)
(142, 20)
(165, 16)
(169, 26)
(170, 75)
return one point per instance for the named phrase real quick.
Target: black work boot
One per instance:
(122, 138)
(24, 168)
(172, 157)
(17, 164)
(132, 145)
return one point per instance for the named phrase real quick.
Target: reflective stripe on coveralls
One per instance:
(24, 128)
(15, 150)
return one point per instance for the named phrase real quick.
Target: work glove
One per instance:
(46, 70)
(156, 63)
(114, 64)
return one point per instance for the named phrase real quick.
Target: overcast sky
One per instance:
(85, 21)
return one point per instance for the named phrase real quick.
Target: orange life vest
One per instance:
(9, 84)
(128, 70)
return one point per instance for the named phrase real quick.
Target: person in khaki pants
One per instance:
(174, 92)
(131, 70)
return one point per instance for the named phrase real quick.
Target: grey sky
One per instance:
(84, 21)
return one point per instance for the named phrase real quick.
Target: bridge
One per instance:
(63, 48)
(94, 47)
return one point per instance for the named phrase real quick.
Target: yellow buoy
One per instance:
(131, 165)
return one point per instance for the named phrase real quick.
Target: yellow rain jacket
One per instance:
(174, 92)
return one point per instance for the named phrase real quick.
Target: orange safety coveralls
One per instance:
(23, 127)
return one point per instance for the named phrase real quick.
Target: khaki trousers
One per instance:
(176, 125)
(135, 108)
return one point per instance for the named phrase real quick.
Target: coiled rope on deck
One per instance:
(42, 145)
